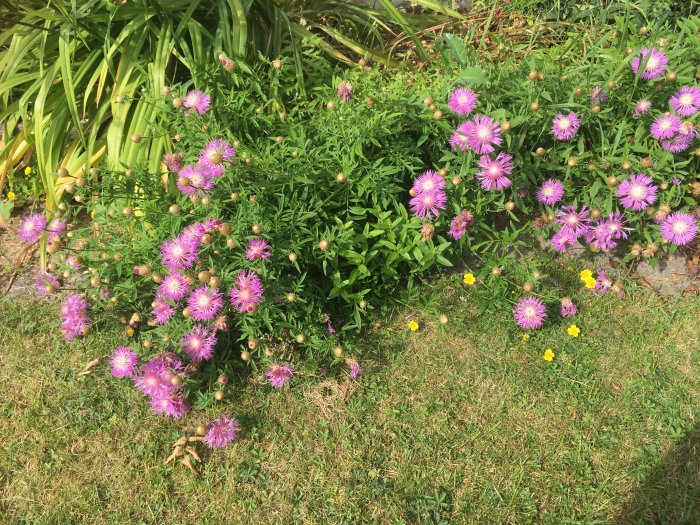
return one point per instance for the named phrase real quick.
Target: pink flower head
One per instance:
(247, 292)
(162, 310)
(598, 96)
(682, 140)
(602, 284)
(564, 127)
(178, 253)
(459, 225)
(257, 249)
(568, 308)
(577, 222)
(32, 227)
(215, 155)
(652, 60)
(551, 192)
(173, 286)
(199, 343)
(44, 280)
(200, 181)
(428, 181)
(279, 374)
(665, 126)
(196, 101)
(173, 406)
(462, 101)
(686, 101)
(221, 432)
(637, 192)
(428, 203)
(530, 313)
(75, 319)
(155, 377)
(55, 227)
(459, 140)
(679, 228)
(483, 133)
(563, 239)
(355, 369)
(123, 362)
(173, 161)
(205, 303)
(345, 91)
(493, 174)
(193, 233)
(642, 106)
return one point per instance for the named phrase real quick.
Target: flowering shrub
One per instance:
(276, 228)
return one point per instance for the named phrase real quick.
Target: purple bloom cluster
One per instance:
(279, 374)
(205, 303)
(606, 233)
(76, 321)
(551, 192)
(481, 134)
(257, 249)
(679, 228)
(32, 227)
(247, 292)
(686, 101)
(157, 380)
(221, 432)
(345, 91)
(429, 195)
(568, 308)
(459, 225)
(196, 101)
(180, 252)
(214, 157)
(44, 280)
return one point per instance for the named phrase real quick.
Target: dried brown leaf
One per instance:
(193, 453)
(88, 368)
(177, 451)
(188, 463)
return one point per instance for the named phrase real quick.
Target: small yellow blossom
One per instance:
(573, 330)
(11, 195)
(28, 170)
(129, 331)
(586, 274)
(92, 214)
(413, 326)
(469, 279)
(526, 337)
(590, 283)
(548, 354)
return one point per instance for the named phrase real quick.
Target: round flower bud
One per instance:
(128, 212)
(184, 181)
(626, 165)
(363, 304)
(214, 281)
(206, 201)
(225, 229)
(629, 51)
(277, 63)
(177, 137)
(324, 245)
(136, 138)
(643, 30)
(222, 379)
(611, 84)
(428, 101)
(219, 395)
(234, 196)
(532, 75)
(595, 214)
(578, 91)
(256, 229)
(165, 90)
(496, 271)
(62, 172)
(157, 278)
(338, 351)
(252, 198)
(540, 76)
(292, 257)
(249, 160)
(203, 276)
(444, 319)
(245, 355)
(301, 339)
(370, 101)
(527, 287)
(230, 243)
(571, 162)
(539, 151)
(510, 205)
(252, 344)
(174, 209)
(671, 76)
(663, 185)
(456, 181)
(176, 380)
(201, 430)
(341, 178)
(362, 62)
(437, 115)
(291, 297)
(412, 192)
(595, 109)
(95, 282)
(442, 172)
(432, 107)
(612, 180)
(505, 125)
(52, 267)
(330, 105)
(177, 102)
(535, 106)
(186, 313)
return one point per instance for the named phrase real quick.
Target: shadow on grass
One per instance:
(670, 493)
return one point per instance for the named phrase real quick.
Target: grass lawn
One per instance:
(458, 424)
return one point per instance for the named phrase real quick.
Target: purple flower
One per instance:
(637, 192)
(257, 249)
(462, 101)
(493, 174)
(682, 140)
(686, 101)
(215, 154)
(174, 286)
(459, 139)
(279, 374)
(483, 133)
(598, 96)
(205, 303)
(577, 222)
(44, 280)
(197, 101)
(428, 203)
(247, 292)
(530, 313)
(551, 192)
(123, 362)
(54, 229)
(642, 106)
(602, 284)
(677, 181)
(568, 308)
(173, 161)
(162, 310)
(178, 253)
(355, 369)
(75, 319)
(32, 227)
(564, 127)
(345, 91)
(563, 239)
(459, 225)
(665, 126)
(199, 181)
(155, 378)
(428, 181)
(221, 432)
(679, 228)
(199, 343)
(172, 406)
(653, 61)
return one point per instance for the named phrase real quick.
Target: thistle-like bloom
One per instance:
(199, 343)
(637, 192)
(205, 303)
(178, 253)
(530, 313)
(257, 249)
(32, 227)
(279, 374)
(215, 155)
(653, 61)
(564, 127)
(493, 174)
(459, 225)
(75, 319)
(665, 126)
(221, 432)
(615, 225)
(462, 101)
(483, 133)
(162, 311)
(173, 161)
(193, 233)
(44, 280)
(607, 232)
(428, 203)
(428, 181)
(679, 228)
(196, 101)
(55, 228)
(568, 308)
(577, 222)
(247, 292)
(345, 91)
(602, 284)
(355, 369)
(563, 239)
(459, 140)
(598, 96)
(123, 362)
(642, 106)
(551, 192)
(200, 181)
(686, 101)
(155, 377)
(174, 286)
(172, 406)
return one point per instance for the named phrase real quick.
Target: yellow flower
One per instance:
(548, 354)
(129, 331)
(11, 195)
(526, 337)
(586, 274)
(92, 214)
(413, 326)
(27, 170)
(573, 330)
(590, 283)
(469, 279)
